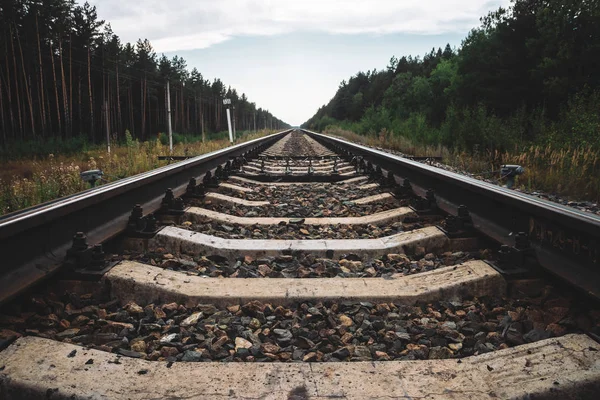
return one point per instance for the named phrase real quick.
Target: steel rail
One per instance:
(34, 241)
(565, 240)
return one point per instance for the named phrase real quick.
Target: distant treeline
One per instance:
(60, 64)
(529, 74)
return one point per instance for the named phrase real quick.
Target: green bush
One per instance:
(42, 147)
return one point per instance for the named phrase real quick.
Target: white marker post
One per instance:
(227, 102)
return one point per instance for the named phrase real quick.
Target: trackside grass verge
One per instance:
(25, 183)
(569, 172)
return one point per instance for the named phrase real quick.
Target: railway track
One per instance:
(299, 266)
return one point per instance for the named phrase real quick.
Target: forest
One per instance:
(65, 76)
(529, 75)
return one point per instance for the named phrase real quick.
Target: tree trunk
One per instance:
(103, 85)
(216, 114)
(2, 114)
(174, 112)
(9, 95)
(131, 122)
(113, 109)
(55, 91)
(42, 105)
(64, 93)
(196, 114)
(202, 120)
(182, 109)
(143, 101)
(12, 45)
(119, 126)
(188, 125)
(148, 109)
(48, 102)
(90, 94)
(27, 91)
(79, 105)
(70, 87)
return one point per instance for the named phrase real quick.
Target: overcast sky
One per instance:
(289, 56)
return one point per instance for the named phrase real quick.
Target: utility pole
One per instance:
(169, 119)
(254, 121)
(227, 102)
(107, 126)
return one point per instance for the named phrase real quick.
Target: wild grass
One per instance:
(572, 172)
(569, 172)
(27, 182)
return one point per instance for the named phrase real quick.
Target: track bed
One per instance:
(347, 286)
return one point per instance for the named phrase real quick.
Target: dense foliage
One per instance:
(60, 64)
(528, 74)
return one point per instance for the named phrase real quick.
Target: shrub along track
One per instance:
(357, 288)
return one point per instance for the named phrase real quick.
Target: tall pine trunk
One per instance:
(2, 114)
(89, 68)
(143, 104)
(174, 110)
(64, 93)
(79, 105)
(202, 120)
(12, 45)
(42, 105)
(70, 86)
(131, 122)
(9, 95)
(27, 91)
(55, 91)
(195, 116)
(187, 117)
(216, 114)
(118, 97)
(182, 109)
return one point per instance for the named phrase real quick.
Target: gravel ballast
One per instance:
(345, 331)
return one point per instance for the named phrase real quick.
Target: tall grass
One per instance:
(570, 172)
(388, 140)
(24, 183)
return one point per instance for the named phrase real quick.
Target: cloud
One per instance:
(193, 24)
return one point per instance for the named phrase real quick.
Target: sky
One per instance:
(289, 56)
